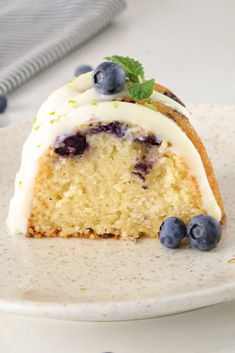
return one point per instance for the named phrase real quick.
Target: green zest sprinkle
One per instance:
(137, 87)
(52, 113)
(35, 120)
(116, 104)
(74, 103)
(37, 128)
(38, 146)
(20, 183)
(56, 120)
(93, 102)
(82, 289)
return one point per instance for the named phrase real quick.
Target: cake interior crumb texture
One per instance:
(118, 187)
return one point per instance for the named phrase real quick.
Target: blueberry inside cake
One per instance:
(112, 155)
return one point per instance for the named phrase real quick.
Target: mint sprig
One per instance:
(140, 91)
(137, 88)
(133, 68)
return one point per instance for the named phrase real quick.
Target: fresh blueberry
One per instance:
(3, 104)
(82, 69)
(171, 232)
(73, 145)
(204, 232)
(109, 78)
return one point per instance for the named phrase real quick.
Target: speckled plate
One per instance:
(77, 279)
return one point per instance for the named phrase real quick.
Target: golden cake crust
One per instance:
(33, 233)
(186, 126)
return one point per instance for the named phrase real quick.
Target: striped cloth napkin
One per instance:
(36, 33)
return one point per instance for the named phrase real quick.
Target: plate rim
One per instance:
(122, 310)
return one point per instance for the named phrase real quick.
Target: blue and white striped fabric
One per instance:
(36, 33)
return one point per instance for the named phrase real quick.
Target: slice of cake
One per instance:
(112, 155)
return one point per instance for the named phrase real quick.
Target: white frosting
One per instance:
(78, 102)
(82, 91)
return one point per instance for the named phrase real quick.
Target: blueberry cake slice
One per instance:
(112, 154)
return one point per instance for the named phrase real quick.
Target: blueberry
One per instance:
(144, 166)
(3, 104)
(73, 145)
(82, 69)
(171, 232)
(109, 78)
(203, 232)
(116, 128)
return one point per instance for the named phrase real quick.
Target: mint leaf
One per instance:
(139, 91)
(137, 88)
(133, 68)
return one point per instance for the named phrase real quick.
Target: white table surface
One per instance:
(188, 45)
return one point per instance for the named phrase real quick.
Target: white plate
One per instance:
(78, 279)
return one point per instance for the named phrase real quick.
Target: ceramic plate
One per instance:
(77, 279)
